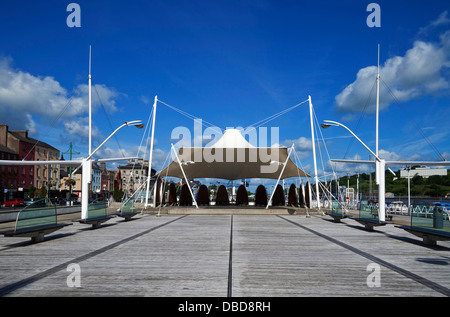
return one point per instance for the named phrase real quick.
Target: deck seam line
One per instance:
(430, 284)
(230, 261)
(5, 290)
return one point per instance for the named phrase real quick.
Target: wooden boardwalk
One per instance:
(222, 256)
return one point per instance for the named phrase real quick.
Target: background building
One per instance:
(46, 175)
(423, 171)
(134, 174)
(8, 173)
(19, 144)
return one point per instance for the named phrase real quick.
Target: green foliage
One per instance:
(434, 186)
(118, 194)
(31, 191)
(42, 192)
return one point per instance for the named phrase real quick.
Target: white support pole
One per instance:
(314, 151)
(279, 177)
(381, 191)
(377, 113)
(151, 155)
(187, 182)
(409, 190)
(90, 103)
(86, 180)
(378, 102)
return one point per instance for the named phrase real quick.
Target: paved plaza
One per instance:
(225, 256)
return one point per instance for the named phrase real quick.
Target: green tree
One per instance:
(118, 194)
(31, 191)
(436, 180)
(42, 192)
(417, 180)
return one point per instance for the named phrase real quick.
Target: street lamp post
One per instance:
(379, 171)
(87, 169)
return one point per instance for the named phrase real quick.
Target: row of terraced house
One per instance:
(15, 180)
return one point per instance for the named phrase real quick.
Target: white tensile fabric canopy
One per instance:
(232, 158)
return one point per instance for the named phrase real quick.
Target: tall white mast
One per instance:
(314, 151)
(90, 104)
(380, 165)
(151, 152)
(87, 163)
(378, 102)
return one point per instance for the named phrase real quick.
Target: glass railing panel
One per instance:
(431, 218)
(96, 209)
(368, 210)
(38, 214)
(337, 207)
(128, 206)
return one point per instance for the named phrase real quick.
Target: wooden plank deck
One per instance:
(225, 255)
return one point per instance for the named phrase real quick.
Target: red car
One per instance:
(15, 202)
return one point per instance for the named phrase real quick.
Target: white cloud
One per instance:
(302, 146)
(441, 20)
(388, 156)
(80, 127)
(26, 98)
(419, 72)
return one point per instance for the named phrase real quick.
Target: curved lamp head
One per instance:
(327, 123)
(137, 123)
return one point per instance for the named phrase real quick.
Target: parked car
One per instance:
(29, 201)
(41, 203)
(15, 202)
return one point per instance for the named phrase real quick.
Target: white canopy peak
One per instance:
(232, 138)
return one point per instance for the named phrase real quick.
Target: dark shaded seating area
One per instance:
(292, 196)
(242, 196)
(185, 196)
(222, 196)
(260, 196)
(203, 195)
(278, 196)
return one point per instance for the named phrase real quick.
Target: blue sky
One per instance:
(231, 63)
